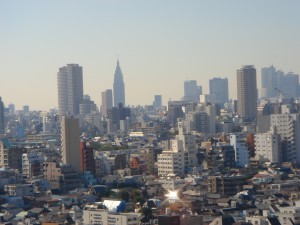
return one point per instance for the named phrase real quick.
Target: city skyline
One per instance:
(208, 40)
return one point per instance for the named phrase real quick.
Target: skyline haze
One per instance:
(159, 44)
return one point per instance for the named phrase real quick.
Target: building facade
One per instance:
(107, 101)
(268, 146)
(70, 141)
(119, 87)
(238, 141)
(70, 89)
(191, 91)
(2, 127)
(247, 93)
(218, 90)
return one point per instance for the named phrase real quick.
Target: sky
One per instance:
(159, 45)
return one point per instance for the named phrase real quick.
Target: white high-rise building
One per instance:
(181, 158)
(32, 165)
(171, 161)
(211, 116)
(190, 149)
(241, 149)
(107, 101)
(268, 146)
(288, 127)
(70, 89)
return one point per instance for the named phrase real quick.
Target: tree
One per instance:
(124, 195)
(136, 196)
(147, 212)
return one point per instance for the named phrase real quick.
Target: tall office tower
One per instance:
(70, 89)
(247, 93)
(70, 141)
(2, 130)
(218, 90)
(107, 101)
(290, 85)
(191, 91)
(157, 101)
(119, 87)
(26, 109)
(11, 108)
(268, 82)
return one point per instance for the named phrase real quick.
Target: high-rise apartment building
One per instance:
(87, 161)
(241, 149)
(268, 146)
(70, 89)
(2, 130)
(288, 127)
(107, 101)
(70, 141)
(4, 148)
(119, 87)
(191, 91)
(171, 161)
(247, 93)
(218, 90)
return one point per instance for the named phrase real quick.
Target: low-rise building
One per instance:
(96, 214)
(19, 190)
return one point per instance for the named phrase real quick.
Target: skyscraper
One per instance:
(269, 82)
(70, 89)
(247, 93)
(119, 87)
(107, 101)
(1, 117)
(157, 101)
(70, 141)
(11, 108)
(290, 85)
(218, 90)
(191, 91)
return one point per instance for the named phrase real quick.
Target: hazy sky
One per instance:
(159, 43)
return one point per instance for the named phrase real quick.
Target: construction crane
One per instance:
(287, 96)
(280, 94)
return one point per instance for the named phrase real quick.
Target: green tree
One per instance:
(137, 196)
(124, 195)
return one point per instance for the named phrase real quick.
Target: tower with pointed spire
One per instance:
(119, 87)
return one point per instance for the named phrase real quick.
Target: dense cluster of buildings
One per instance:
(202, 159)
